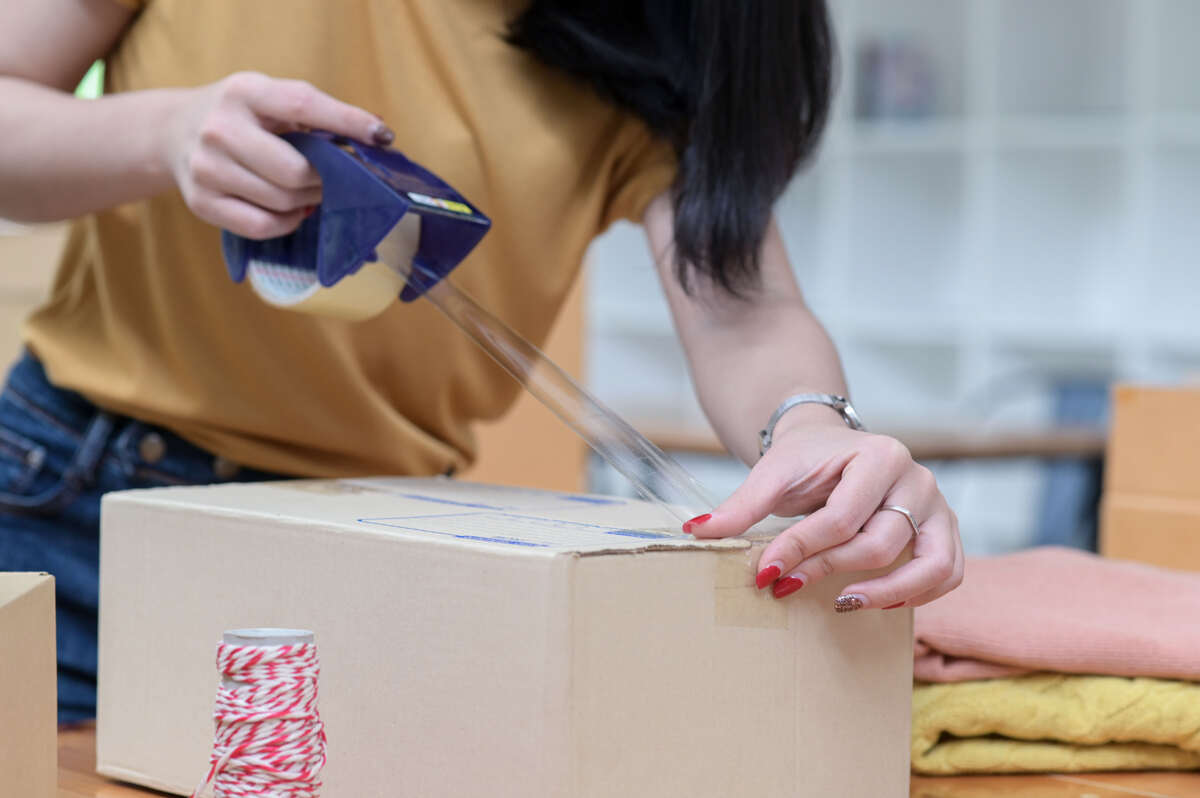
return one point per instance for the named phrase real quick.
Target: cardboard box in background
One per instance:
(493, 641)
(28, 687)
(1150, 510)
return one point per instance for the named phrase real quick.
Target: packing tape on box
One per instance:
(737, 601)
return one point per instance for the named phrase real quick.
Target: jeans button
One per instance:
(152, 447)
(224, 468)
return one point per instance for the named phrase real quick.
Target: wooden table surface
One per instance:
(77, 758)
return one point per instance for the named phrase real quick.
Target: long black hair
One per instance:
(741, 88)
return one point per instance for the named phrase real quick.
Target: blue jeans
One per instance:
(59, 454)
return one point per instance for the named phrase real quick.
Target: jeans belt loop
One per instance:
(83, 469)
(124, 447)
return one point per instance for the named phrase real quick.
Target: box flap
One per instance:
(458, 513)
(15, 584)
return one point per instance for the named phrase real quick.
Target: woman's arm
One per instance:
(748, 355)
(62, 157)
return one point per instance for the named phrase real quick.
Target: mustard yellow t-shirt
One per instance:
(144, 320)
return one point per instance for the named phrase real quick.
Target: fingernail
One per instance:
(308, 210)
(382, 135)
(894, 606)
(787, 586)
(849, 602)
(688, 526)
(768, 575)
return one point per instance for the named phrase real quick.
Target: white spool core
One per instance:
(267, 637)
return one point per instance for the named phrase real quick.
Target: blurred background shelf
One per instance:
(1001, 222)
(927, 444)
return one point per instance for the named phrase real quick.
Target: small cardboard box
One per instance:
(1154, 443)
(494, 641)
(28, 687)
(1150, 511)
(1150, 529)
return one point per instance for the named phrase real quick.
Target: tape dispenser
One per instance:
(386, 227)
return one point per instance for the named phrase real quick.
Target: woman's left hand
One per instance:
(842, 478)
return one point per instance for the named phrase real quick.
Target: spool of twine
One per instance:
(269, 741)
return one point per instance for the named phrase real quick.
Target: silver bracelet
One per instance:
(838, 403)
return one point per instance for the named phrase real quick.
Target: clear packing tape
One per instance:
(655, 475)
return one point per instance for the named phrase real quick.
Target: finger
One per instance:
(935, 555)
(954, 581)
(750, 503)
(298, 103)
(245, 219)
(865, 481)
(881, 541)
(228, 177)
(271, 158)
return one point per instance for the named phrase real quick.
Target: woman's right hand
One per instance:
(225, 154)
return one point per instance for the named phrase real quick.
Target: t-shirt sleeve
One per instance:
(644, 169)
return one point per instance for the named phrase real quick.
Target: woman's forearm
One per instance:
(747, 368)
(748, 354)
(64, 156)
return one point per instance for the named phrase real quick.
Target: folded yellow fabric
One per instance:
(1056, 723)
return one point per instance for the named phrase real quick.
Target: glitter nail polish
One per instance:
(382, 135)
(849, 602)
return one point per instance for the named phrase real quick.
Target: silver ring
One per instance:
(895, 508)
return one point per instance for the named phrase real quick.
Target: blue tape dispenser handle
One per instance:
(365, 192)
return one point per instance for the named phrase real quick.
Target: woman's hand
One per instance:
(841, 478)
(234, 170)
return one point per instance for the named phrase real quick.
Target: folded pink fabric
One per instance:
(1057, 609)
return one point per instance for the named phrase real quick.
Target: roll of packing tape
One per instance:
(366, 293)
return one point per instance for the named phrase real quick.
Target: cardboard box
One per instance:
(1154, 443)
(1149, 529)
(493, 641)
(1150, 511)
(28, 687)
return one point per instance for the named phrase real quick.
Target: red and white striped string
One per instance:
(270, 742)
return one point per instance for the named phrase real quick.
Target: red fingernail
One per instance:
(894, 606)
(767, 575)
(688, 526)
(308, 210)
(787, 586)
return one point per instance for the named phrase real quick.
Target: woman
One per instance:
(147, 366)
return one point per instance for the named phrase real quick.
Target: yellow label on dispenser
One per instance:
(444, 204)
